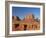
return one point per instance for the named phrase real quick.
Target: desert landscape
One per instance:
(29, 22)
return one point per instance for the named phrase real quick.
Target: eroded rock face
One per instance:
(28, 23)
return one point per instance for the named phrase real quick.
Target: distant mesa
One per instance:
(27, 18)
(16, 18)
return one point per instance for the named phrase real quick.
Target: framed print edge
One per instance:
(7, 19)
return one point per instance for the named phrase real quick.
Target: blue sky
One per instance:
(22, 11)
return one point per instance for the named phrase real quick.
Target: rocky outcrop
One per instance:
(28, 23)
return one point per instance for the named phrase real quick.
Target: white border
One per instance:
(24, 32)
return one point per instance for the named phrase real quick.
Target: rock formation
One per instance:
(28, 23)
